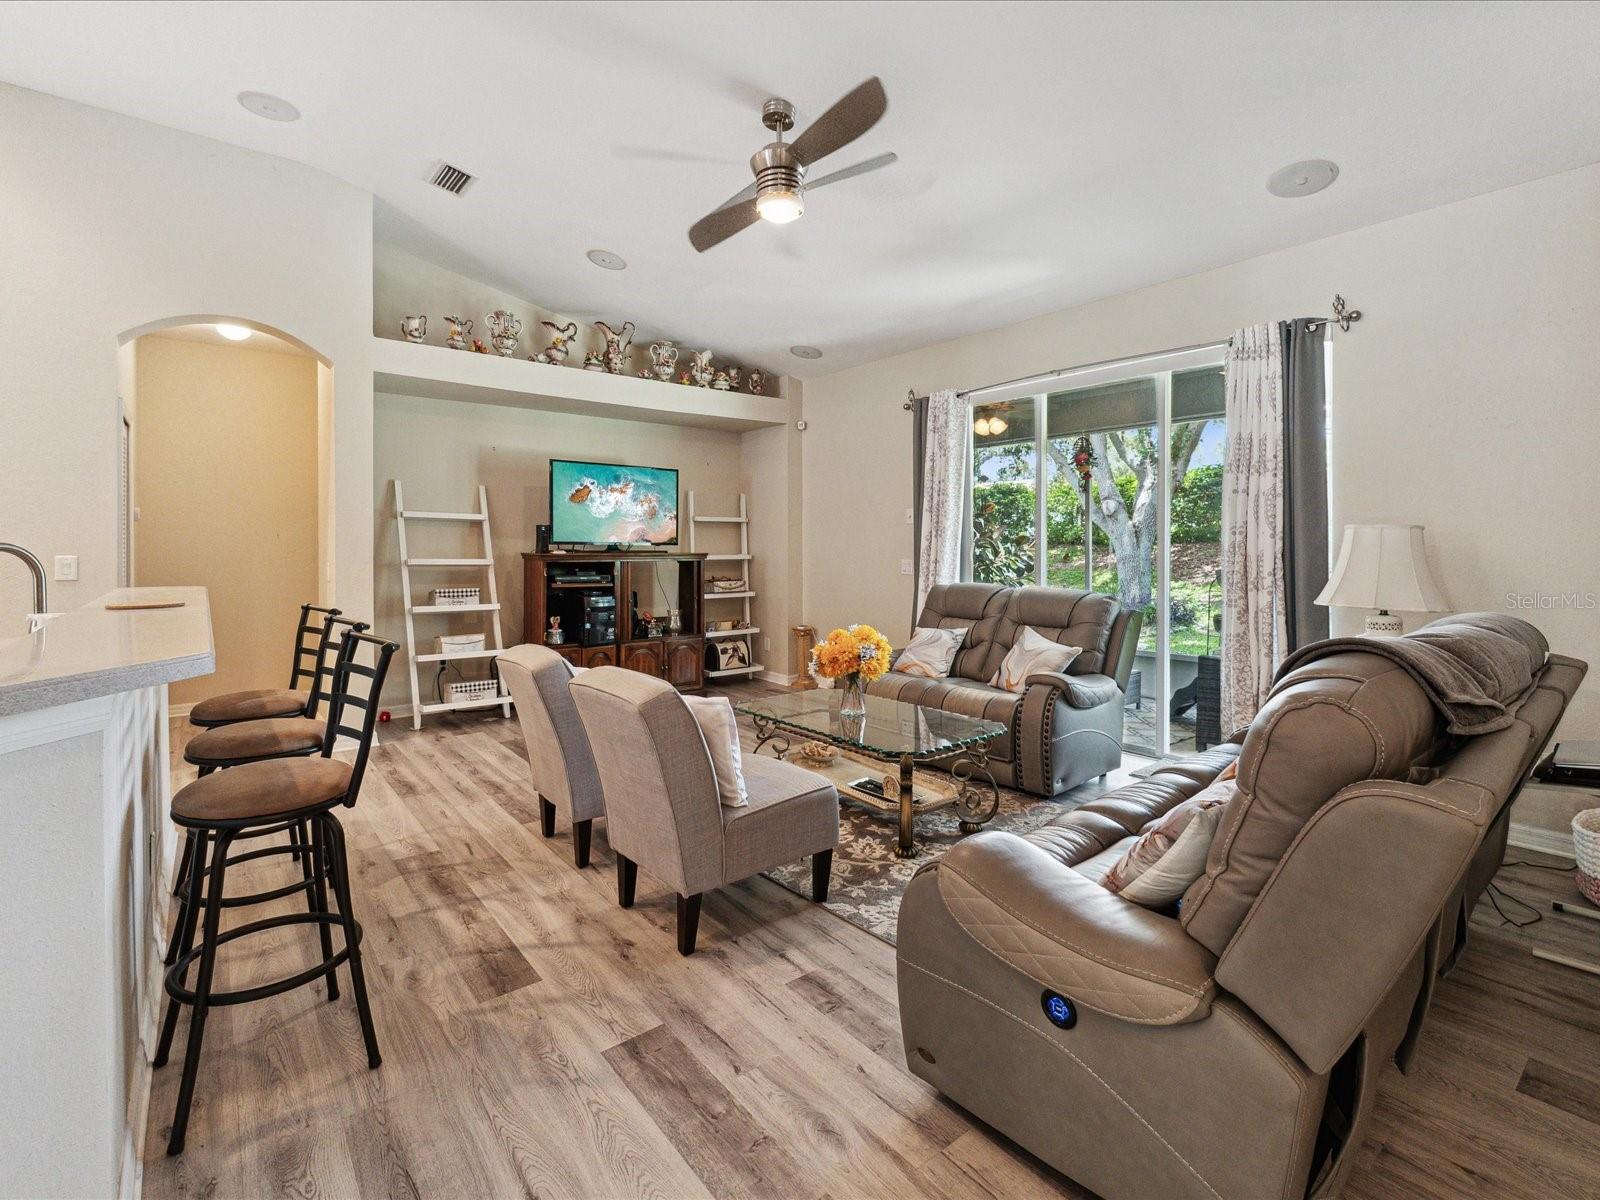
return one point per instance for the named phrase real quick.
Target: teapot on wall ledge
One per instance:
(413, 329)
(504, 328)
(617, 343)
(560, 338)
(459, 329)
(663, 358)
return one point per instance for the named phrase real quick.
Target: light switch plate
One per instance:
(905, 566)
(66, 568)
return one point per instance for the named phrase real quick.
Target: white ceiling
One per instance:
(1049, 154)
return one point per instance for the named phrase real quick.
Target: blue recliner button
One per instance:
(1059, 1009)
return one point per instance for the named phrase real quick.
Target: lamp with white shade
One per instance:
(1383, 567)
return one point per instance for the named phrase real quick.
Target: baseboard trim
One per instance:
(1544, 841)
(776, 677)
(179, 710)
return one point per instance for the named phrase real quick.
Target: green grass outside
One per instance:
(1194, 570)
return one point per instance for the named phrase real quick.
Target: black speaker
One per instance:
(541, 535)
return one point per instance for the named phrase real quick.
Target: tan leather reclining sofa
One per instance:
(1067, 726)
(1231, 1049)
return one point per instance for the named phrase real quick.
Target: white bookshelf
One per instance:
(721, 599)
(492, 638)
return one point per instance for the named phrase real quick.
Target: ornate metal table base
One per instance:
(768, 730)
(977, 797)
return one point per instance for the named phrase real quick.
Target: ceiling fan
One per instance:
(778, 193)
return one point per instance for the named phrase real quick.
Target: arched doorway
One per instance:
(227, 482)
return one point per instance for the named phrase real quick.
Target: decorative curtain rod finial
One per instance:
(1344, 316)
(911, 398)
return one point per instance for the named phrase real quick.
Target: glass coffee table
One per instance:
(892, 731)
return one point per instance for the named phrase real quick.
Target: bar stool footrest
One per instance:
(318, 874)
(184, 995)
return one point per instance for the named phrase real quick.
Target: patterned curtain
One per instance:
(943, 472)
(1254, 589)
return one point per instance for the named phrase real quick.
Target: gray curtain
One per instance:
(1305, 483)
(919, 438)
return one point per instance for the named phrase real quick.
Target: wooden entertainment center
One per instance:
(590, 589)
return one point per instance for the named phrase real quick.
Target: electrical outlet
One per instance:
(66, 567)
(766, 644)
(905, 566)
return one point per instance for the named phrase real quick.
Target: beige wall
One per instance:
(226, 487)
(441, 450)
(112, 224)
(771, 472)
(1464, 401)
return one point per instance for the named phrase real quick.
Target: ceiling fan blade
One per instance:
(842, 124)
(739, 197)
(722, 225)
(861, 168)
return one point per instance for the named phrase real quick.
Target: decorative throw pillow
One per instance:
(930, 652)
(1031, 653)
(1171, 851)
(714, 715)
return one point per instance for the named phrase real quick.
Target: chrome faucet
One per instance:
(40, 603)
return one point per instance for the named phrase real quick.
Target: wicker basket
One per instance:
(1586, 845)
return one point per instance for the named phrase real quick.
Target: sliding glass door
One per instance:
(1111, 481)
(1004, 540)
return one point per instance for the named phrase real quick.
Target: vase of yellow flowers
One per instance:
(852, 658)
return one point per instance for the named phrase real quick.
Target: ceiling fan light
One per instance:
(780, 206)
(997, 426)
(981, 427)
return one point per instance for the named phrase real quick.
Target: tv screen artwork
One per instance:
(600, 504)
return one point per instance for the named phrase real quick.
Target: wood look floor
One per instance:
(539, 1041)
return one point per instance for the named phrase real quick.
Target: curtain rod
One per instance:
(1343, 317)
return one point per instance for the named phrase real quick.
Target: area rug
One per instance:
(868, 880)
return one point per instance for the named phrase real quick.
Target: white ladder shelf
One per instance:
(500, 699)
(743, 556)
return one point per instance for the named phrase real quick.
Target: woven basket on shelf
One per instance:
(1586, 845)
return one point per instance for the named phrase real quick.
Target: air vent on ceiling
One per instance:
(452, 179)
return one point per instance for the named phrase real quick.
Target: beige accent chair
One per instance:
(1231, 1049)
(564, 774)
(1066, 726)
(662, 809)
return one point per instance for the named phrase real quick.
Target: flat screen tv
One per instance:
(601, 504)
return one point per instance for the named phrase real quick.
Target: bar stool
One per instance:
(310, 640)
(246, 741)
(246, 799)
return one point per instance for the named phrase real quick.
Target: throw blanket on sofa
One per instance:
(1476, 668)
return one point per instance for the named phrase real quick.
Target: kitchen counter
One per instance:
(86, 853)
(92, 651)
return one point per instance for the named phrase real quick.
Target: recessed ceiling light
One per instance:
(805, 352)
(234, 333)
(608, 260)
(273, 108)
(1303, 178)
